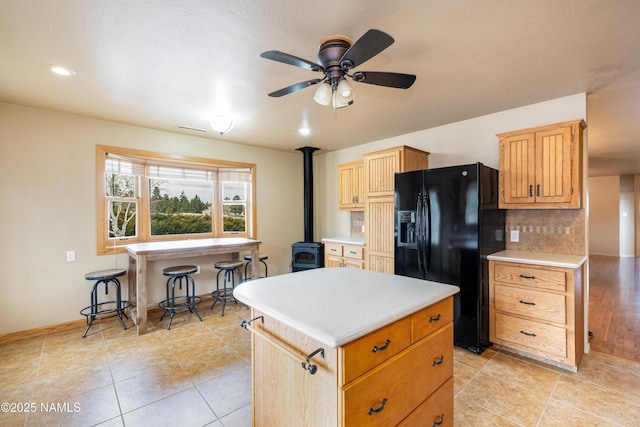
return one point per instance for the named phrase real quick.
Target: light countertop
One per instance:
(539, 258)
(338, 305)
(344, 240)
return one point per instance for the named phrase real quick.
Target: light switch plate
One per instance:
(515, 236)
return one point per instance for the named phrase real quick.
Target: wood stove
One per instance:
(307, 254)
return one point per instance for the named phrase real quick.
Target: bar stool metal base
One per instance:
(106, 309)
(224, 294)
(175, 303)
(262, 259)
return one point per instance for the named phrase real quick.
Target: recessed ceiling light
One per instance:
(61, 71)
(304, 131)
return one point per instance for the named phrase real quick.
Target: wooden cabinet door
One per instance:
(553, 166)
(517, 169)
(350, 186)
(541, 167)
(345, 186)
(380, 172)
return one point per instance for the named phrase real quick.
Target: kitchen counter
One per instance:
(539, 258)
(338, 305)
(344, 240)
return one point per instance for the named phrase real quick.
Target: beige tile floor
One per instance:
(198, 374)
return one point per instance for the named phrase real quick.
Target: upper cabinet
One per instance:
(351, 186)
(541, 168)
(380, 168)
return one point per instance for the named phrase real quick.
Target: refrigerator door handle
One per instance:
(427, 226)
(419, 233)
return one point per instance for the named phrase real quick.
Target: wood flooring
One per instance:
(614, 306)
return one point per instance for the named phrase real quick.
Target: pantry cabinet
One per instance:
(351, 186)
(380, 168)
(541, 168)
(537, 310)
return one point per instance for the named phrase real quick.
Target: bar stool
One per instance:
(262, 259)
(101, 310)
(224, 294)
(173, 303)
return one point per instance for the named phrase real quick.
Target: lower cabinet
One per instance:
(537, 310)
(400, 374)
(343, 255)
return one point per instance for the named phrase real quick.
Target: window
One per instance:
(144, 196)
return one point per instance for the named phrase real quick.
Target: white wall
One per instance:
(604, 215)
(458, 143)
(47, 186)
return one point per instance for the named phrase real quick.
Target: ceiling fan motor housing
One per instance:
(330, 52)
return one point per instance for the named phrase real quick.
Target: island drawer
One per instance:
(545, 339)
(437, 410)
(390, 392)
(352, 251)
(359, 356)
(431, 318)
(539, 305)
(527, 275)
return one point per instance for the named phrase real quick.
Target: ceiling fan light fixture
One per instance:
(345, 90)
(221, 124)
(323, 95)
(338, 101)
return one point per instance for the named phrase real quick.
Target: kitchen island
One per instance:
(347, 347)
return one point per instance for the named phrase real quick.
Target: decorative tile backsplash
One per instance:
(559, 231)
(356, 225)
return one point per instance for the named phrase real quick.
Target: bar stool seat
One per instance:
(102, 310)
(225, 293)
(262, 259)
(173, 302)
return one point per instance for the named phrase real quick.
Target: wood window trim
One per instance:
(105, 246)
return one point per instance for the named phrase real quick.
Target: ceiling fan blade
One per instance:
(276, 55)
(290, 89)
(397, 80)
(366, 47)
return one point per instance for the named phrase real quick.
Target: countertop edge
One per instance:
(329, 340)
(344, 240)
(539, 258)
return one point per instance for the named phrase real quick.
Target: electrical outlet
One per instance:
(71, 256)
(515, 236)
(197, 269)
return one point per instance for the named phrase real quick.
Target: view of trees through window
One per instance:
(145, 196)
(173, 213)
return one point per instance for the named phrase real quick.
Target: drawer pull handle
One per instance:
(438, 422)
(376, 410)
(352, 252)
(384, 347)
(434, 319)
(438, 362)
(527, 334)
(333, 250)
(527, 302)
(522, 276)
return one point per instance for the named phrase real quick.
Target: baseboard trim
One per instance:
(61, 327)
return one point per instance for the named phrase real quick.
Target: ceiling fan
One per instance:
(337, 56)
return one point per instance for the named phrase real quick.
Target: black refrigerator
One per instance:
(446, 223)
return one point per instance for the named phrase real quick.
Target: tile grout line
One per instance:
(113, 381)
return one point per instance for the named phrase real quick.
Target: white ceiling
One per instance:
(171, 64)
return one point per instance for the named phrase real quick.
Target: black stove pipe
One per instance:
(308, 192)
